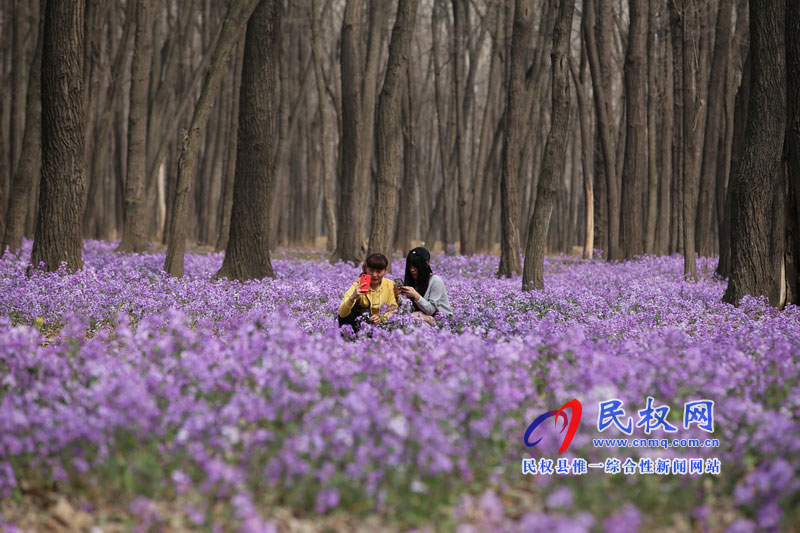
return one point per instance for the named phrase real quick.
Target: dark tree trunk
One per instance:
(326, 160)
(675, 59)
(634, 166)
(512, 142)
(352, 185)
(793, 143)
(740, 114)
(599, 63)
(62, 194)
(663, 231)
(239, 12)
(133, 225)
(695, 46)
(31, 158)
(17, 114)
(247, 255)
(704, 234)
(554, 151)
(389, 142)
(230, 160)
(587, 151)
(654, 95)
(757, 255)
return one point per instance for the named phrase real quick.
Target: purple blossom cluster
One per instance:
(121, 378)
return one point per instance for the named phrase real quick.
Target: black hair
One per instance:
(377, 261)
(420, 258)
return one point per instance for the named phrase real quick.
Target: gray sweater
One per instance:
(435, 298)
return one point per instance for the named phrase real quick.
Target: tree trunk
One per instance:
(599, 59)
(634, 167)
(31, 158)
(62, 194)
(389, 142)
(704, 235)
(757, 256)
(230, 159)
(554, 152)
(247, 255)
(675, 58)
(352, 186)
(509, 176)
(17, 114)
(653, 103)
(239, 12)
(793, 138)
(587, 144)
(667, 177)
(133, 225)
(695, 89)
(324, 129)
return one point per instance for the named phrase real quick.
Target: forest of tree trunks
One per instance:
(601, 128)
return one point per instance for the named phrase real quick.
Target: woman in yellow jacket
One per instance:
(380, 294)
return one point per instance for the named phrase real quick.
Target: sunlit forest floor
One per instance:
(129, 399)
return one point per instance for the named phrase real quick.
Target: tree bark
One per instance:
(704, 235)
(668, 109)
(324, 129)
(247, 255)
(31, 157)
(352, 185)
(554, 152)
(695, 92)
(675, 58)
(239, 12)
(653, 103)
(62, 194)
(509, 176)
(133, 226)
(793, 139)
(587, 144)
(757, 256)
(230, 160)
(599, 63)
(389, 142)
(634, 166)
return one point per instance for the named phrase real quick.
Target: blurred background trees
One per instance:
(448, 127)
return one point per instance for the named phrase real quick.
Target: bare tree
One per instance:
(30, 159)
(757, 255)
(236, 18)
(509, 177)
(62, 194)
(793, 139)
(326, 161)
(600, 60)
(133, 227)
(389, 142)
(247, 255)
(720, 63)
(634, 167)
(554, 152)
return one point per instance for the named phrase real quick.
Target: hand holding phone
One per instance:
(363, 283)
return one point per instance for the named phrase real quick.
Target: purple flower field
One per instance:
(232, 402)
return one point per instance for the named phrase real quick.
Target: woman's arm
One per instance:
(349, 300)
(437, 301)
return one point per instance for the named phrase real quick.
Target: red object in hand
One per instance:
(363, 283)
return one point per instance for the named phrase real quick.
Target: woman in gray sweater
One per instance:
(425, 289)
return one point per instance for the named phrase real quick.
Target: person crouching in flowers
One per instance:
(360, 301)
(425, 289)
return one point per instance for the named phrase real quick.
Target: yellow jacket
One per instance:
(374, 299)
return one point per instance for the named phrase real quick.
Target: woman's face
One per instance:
(413, 271)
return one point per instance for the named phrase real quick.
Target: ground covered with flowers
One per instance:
(132, 399)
